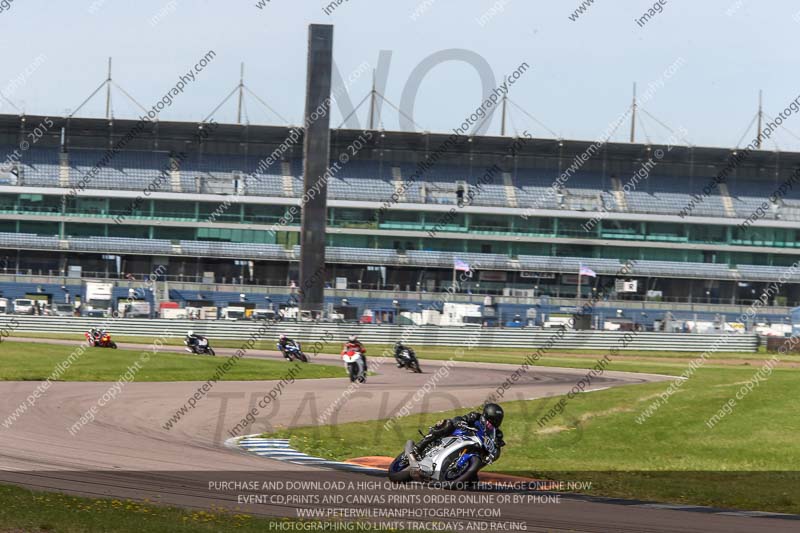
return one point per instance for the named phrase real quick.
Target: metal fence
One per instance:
(385, 334)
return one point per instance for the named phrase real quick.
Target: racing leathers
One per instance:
(349, 345)
(445, 427)
(283, 343)
(398, 349)
(193, 341)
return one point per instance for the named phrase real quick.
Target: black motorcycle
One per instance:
(408, 359)
(199, 349)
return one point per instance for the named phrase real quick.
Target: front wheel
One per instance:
(113, 345)
(467, 472)
(415, 367)
(400, 469)
(210, 351)
(301, 356)
(353, 371)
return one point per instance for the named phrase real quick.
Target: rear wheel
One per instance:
(400, 471)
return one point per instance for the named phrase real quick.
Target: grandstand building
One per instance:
(204, 201)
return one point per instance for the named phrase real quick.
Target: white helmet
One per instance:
(189, 333)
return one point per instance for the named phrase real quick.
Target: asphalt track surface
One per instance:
(126, 452)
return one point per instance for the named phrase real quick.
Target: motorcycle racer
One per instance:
(492, 416)
(95, 334)
(194, 340)
(283, 342)
(398, 349)
(353, 342)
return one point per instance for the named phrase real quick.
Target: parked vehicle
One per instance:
(61, 310)
(98, 299)
(135, 309)
(233, 313)
(263, 314)
(24, 306)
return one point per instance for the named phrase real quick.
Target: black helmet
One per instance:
(398, 344)
(493, 413)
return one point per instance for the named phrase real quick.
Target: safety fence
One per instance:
(384, 334)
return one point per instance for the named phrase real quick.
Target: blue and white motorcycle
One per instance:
(453, 459)
(294, 352)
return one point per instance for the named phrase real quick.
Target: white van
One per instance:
(23, 306)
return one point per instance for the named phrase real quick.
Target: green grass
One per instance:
(144, 339)
(748, 461)
(670, 363)
(40, 512)
(516, 355)
(35, 362)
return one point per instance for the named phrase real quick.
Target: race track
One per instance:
(126, 452)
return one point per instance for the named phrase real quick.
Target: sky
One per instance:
(699, 66)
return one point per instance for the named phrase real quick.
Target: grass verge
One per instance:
(747, 461)
(41, 512)
(35, 362)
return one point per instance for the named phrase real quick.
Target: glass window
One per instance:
(72, 229)
(174, 234)
(8, 201)
(39, 228)
(130, 232)
(173, 209)
(490, 223)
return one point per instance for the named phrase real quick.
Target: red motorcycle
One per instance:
(103, 341)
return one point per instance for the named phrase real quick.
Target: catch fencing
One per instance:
(478, 337)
